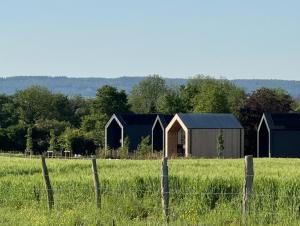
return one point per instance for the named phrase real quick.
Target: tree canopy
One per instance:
(206, 94)
(144, 97)
(36, 103)
(171, 101)
(109, 101)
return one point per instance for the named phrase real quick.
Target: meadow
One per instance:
(202, 192)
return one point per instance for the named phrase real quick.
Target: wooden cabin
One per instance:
(196, 135)
(278, 135)
(133, 126)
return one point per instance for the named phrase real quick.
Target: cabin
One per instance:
(278, 135)
(196, 135)
(132, 126)
(158, 131)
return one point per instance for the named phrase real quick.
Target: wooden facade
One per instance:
(204, 142)
(187, 136)
(175, 131)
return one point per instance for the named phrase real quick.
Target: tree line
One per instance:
(53, 121)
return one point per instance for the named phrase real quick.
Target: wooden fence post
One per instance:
(47, 184)
(96, 182)
(165, 188)
(248, 182)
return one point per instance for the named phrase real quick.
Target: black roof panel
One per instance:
(283, 121)
(165, 119)
(137, 119)
(210, 121)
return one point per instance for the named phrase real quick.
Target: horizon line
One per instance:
(140, 76)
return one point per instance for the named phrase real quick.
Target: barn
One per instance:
(133, 126)
(158, 131)
(278, 135)
(196, 135)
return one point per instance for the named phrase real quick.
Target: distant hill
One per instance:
(87, 87)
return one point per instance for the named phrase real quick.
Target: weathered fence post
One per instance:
(248, 182)
(47, 184)
(165, 188)
(96, 182)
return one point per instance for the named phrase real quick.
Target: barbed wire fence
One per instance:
(243, 206)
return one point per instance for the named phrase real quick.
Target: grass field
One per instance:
(202, 192)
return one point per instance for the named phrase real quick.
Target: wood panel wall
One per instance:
(204, 143)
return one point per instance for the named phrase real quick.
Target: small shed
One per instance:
(278, 135)
(158, 131)
(196, 135)
(133, 126)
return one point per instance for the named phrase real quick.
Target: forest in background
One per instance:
(41, 119)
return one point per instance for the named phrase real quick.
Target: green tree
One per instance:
(171, 102)
(60, 108)
(123, 151)
(64, 140)
(47, 124)
(206, 94)
(29, 143)
(236, 98)
(193, 87)
(94, 127)
(76, 142)
(80, 107)
(13, 137)
(220, 144)
(212, 98)
(8, 114)
(35, 103)
(144, 148)
(52, 142)
(109, 101)
(144, 97)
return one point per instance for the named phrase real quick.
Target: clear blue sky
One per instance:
(234, 39)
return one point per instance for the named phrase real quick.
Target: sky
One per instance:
(224, 38)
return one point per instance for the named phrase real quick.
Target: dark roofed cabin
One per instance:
(133, 126)
(158, 131)
(278, 135)
(196, 135)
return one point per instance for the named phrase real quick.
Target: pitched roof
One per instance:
(210, 121)
(165, 119)
(136, 119)
(283, 121)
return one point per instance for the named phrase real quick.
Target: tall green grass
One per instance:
(202, 192)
